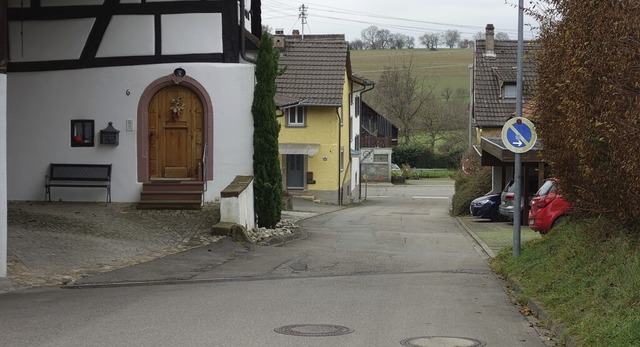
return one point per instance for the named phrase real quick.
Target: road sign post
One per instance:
(518, 135)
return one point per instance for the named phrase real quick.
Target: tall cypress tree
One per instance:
(266, 166)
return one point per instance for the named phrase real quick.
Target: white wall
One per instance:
(3, 176)
(355, 160)
(126, 35)
(42, 104)
(239, 209)
(48, 39)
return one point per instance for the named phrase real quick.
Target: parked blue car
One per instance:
(486, 207)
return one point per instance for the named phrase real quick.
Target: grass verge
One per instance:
(588, 283)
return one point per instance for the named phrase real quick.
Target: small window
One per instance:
(509, 91)
(356, 144)
(341, 158)
(82, 133)
(296, 116)
(357, 106)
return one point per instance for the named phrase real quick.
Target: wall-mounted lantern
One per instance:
(109, 135)
(179, 72)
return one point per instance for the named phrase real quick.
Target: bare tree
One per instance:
(466, 43)
(356, 44)
(441, 119)
(369, 36)
(501, 36)
(451, 37)
(411, 42)
(478, 36)
(400, 41)
(403, 96)
(430, 40)
(383, 39)
(446, 93)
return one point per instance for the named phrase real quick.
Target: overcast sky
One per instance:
(409, 17)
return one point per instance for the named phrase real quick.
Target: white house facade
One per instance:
(170, 81)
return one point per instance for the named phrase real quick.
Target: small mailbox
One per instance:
(109, 135)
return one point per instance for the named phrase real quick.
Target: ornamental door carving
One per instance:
(175, 134)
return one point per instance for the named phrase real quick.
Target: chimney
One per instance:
(490, 42)
(278, 39)
(295, 32)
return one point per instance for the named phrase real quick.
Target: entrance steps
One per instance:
(171, 195)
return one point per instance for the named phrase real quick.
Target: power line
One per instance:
(349, 16)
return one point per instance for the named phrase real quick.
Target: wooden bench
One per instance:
(78, 175)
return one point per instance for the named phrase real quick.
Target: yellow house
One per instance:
(319, 102)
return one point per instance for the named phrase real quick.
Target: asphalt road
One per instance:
(394, 271)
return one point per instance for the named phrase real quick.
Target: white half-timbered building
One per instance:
(161, 90)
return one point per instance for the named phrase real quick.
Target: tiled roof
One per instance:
(315, 70)
(489, 109)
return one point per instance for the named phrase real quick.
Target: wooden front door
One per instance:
(175, 134)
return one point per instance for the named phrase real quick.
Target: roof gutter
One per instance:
(339, 114)
(243, 48)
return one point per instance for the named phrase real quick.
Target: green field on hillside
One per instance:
(444, 67)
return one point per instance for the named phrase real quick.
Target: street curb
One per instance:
(538, 311)
(275, 241)
(490, 253)
(541, 313)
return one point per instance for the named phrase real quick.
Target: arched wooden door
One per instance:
(175, 134)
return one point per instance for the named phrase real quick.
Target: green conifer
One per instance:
(266, 165)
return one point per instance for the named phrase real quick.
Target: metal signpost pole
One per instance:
(470, 104)
(518, 157)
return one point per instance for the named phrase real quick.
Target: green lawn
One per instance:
(446, 67)
(587, 282)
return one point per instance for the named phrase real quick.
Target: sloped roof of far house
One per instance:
(315, 69)
(490, 110)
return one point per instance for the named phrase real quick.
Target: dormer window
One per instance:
(509, 91)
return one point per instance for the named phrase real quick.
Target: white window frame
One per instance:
(299, 115)
(511, 88)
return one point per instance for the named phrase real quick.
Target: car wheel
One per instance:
(557, 221)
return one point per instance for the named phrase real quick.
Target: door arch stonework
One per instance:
(142, 133)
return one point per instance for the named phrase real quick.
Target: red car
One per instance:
(547, 207)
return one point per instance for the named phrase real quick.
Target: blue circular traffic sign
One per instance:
(519, 135)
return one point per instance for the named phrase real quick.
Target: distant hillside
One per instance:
(446, 67)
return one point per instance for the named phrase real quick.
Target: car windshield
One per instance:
(546, 188)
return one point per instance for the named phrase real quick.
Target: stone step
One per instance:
(170, 195)
(172, 186)
(170, 205)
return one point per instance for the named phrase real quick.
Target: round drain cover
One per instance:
(441, 341)
(313, 330)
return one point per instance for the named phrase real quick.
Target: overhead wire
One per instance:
(346, 16)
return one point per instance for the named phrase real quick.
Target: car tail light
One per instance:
(510, 196)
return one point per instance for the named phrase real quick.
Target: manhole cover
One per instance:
(313, 330)
(441, 341)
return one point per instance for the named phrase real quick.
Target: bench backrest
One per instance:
(80, 172)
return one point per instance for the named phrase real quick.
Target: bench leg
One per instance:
(47, 193)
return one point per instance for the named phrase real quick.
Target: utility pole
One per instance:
(303, 17)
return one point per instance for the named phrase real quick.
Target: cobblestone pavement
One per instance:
(50, 244)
